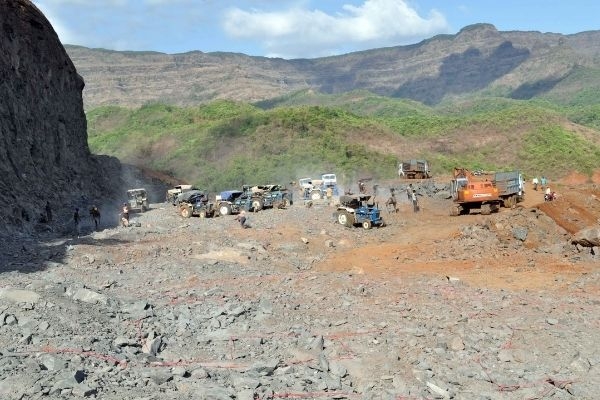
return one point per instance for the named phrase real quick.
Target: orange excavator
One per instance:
(474, 192)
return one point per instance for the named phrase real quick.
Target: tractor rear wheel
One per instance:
(345, 218)
(257, 205)
(186, 212)
(224, 209)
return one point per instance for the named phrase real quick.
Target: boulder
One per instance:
(588, 237)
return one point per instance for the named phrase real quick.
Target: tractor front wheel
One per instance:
(367, 224)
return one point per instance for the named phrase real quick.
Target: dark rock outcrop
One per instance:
(44, 155)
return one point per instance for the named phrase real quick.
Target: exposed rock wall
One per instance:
(44, 153)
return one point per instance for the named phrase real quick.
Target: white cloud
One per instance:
(299, 32)
(64, 34)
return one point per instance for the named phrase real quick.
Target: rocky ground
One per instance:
(428, 307)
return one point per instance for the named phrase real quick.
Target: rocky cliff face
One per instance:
(44, 154)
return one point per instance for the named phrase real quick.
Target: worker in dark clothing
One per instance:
(125, 215)
(48, 212)
(361, 187)
(95, 215)
(76, 221)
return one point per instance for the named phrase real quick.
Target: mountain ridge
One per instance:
(477, 59)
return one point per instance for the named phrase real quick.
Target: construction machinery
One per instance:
(358, 210)
(485, 191)
(511, 187)
(137, 199)
(274, 195)
(195, 203)
(473, 192)
(414, 169)
(172, 194)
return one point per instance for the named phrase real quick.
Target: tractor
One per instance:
(358, 210)
(195, 202)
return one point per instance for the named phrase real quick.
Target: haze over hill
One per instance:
(477, 60)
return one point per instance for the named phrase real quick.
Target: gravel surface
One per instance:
(298, 306)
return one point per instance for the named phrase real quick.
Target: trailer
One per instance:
(414, 169)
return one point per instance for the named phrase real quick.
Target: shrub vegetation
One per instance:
(224, 144)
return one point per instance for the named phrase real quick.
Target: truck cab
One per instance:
(329, 179)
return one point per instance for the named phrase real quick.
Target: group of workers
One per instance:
(549, 195)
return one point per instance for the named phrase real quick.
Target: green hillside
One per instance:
(225, 144)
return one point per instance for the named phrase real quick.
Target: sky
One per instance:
(298, 28)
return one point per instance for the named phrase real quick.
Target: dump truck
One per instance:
(485, 191)
(510, 187)
(414, 169)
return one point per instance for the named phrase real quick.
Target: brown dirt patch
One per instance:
(575, 178)
(421, 245)
(596, 176)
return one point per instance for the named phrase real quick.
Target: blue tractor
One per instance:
(359, 210)
(234, 201)
(274, 195)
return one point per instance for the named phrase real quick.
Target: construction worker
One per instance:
(76, 221)
(361, 187)
(48, 212)
(95, 215)
(125, 215)
(535, 182)
(242, 218)
(329, 194)
(415, 201)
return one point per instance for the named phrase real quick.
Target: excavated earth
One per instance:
(297, 306)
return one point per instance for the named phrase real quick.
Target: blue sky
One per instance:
(298, 28)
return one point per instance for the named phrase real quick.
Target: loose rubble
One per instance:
(174, 308)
